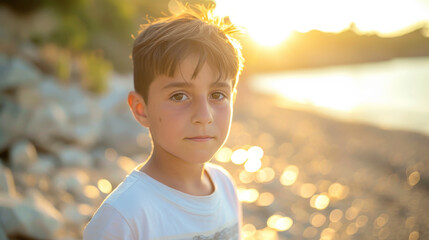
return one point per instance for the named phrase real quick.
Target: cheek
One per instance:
(225, 116)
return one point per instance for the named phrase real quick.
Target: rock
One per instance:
(22, 155)
(75, 157)
(7, 184)
(115, 100)
(77, 213)
(13, 120)
(3, 235)
(18, 73)
(47, 123)
(120, 132)
(44, 166)
(9, 220)
(85, 122)
(72, 180)
(34, 217)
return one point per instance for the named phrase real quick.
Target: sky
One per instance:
(270, 22)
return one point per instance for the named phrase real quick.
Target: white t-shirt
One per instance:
(143, 208)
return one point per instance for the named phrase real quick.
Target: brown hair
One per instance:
(161, 45)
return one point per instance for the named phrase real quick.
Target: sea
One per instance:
(392, 94)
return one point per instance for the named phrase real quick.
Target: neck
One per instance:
(178, 174)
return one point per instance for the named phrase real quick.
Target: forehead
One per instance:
(190, 71)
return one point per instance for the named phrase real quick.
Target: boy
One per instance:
(186, 70)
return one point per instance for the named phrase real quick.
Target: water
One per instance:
(392, 94)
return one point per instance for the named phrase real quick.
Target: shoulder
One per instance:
(218, 171)
(124, 211)
(108, 223)
(221, 176)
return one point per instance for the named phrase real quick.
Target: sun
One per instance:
(271, 22)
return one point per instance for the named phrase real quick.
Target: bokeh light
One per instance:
(279, 223)
(253, 165)
(289, 175)
(307, 190)
(265, 175)
(248, 230)
(126, 164)
(224, 155)
(239, 156)
(91, 191)
(414, 178)
(248, 195)
(104, 185)
(319, 201)
(317, 219)
(255, 152)
(265, 199)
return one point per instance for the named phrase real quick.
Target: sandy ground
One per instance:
(374, 183)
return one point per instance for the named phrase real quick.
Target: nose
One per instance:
(202, 111)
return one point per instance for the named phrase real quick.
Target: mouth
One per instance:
(200, 138)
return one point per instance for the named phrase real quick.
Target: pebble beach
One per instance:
(300, 175)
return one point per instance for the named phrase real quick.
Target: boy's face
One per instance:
(189, 119)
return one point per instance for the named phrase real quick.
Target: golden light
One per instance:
(248, 195)
(279, 223)
(265, 199)
(352, 213)
(126, 163)
(253, 165)
(317, 219)
(224, 155)
(327, 234)
(414, 178)
(248, 230)
(307, 190)
(91, 191)
(381, 220)
(239, 156)
(255, 152)
(264, 175)
(319, 201)
(104, 185)
(414, 236)
(267, 233)
(289, 175)
(246, 177)
(273, 23)
(309, 232)
(361, 221)
(335, 215)
(85, 209)
(351, 229)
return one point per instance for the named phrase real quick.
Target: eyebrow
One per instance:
(189, 85)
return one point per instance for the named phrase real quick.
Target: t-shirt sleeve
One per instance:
(109, 224)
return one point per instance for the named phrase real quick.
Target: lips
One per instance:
(200, 138)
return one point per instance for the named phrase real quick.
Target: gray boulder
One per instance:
(16, 73)
(71, 180)
(74, 157)
(7, 184)
(34, 217)
(13, 119)
(22, 155)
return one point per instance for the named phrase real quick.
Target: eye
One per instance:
(218, 96)
(179, 97)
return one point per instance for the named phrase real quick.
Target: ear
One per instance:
(139, 108)
(234, 95)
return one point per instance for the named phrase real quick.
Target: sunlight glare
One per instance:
(289, 175)
(273, 23)
(239, 156)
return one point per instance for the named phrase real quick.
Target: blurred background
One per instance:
(330, 136)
